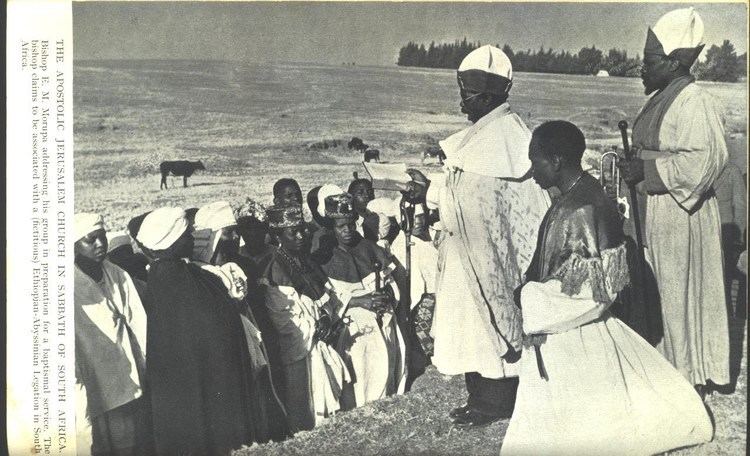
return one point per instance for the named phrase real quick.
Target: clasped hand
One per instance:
(328, 330)
(377, 301)
(631, 170)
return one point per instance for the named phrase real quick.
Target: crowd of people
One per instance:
(202, 330)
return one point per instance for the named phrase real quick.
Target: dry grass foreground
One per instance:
(417, 423)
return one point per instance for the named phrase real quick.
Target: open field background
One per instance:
(254, 124)
(251, 125)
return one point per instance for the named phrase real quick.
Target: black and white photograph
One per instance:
(399, 228)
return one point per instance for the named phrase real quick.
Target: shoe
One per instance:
(474, 419)
(459, 411)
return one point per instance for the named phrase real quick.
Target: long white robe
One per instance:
(110, 333)
(683, 235)
(375, 353)
(608, 391)
(489, 227)
(315, 373)
(423, 265)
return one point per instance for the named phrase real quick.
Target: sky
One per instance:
(370, 33)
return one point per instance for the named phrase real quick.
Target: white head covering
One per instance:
(488, 59)
(324, 192)
(86, 222)
(215, 216)
(677, 34)
(162, 227)
(117, 239)
(678, 29)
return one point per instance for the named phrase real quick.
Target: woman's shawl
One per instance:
(581, 240)
(351, 270)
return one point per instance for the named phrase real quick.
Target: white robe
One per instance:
(683, 235)
(107, 358)
(424, 258)
(315, 362)
(375, 354)
(492, 150)
(608, 391)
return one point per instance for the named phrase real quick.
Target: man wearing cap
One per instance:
(298, 296)
(199, 372)
(372, 343)
(490, 213)
(110, 336)
(679, 134)
(253, 230)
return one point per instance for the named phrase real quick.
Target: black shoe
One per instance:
(459, 411)
(475, 419)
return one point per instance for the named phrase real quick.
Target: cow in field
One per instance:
(182, 168)
(372, 155)
(357, 144)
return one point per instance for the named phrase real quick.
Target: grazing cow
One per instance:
(357, 144)
(372, 155)
(434, 152)
(182, 168)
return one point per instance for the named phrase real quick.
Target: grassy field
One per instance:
(253, 125)
(417, 423)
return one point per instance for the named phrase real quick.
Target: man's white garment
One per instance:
(110, 335)
(490, 225)
(294, 315)
(424, 258)
(683, 233)
(603, 382)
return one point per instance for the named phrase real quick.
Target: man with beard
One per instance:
(110, 340)
(372, 343)
(297, 296)
(199, 369)
(679, 134)
(489, 214)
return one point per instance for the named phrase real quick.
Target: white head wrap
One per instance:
(86, 222)
(162, 227)
(117, 239)
(679, 29)
(324, 192)
(215, 216)
(488, 59)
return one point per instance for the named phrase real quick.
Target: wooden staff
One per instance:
(641, 259)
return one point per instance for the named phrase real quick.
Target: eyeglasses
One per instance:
(465, 99)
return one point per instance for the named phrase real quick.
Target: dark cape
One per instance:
(581, 239)
(204, 399)
(133, 263)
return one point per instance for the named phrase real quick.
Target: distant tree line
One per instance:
(721, 62)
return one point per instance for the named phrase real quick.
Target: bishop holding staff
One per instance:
(680, 135)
